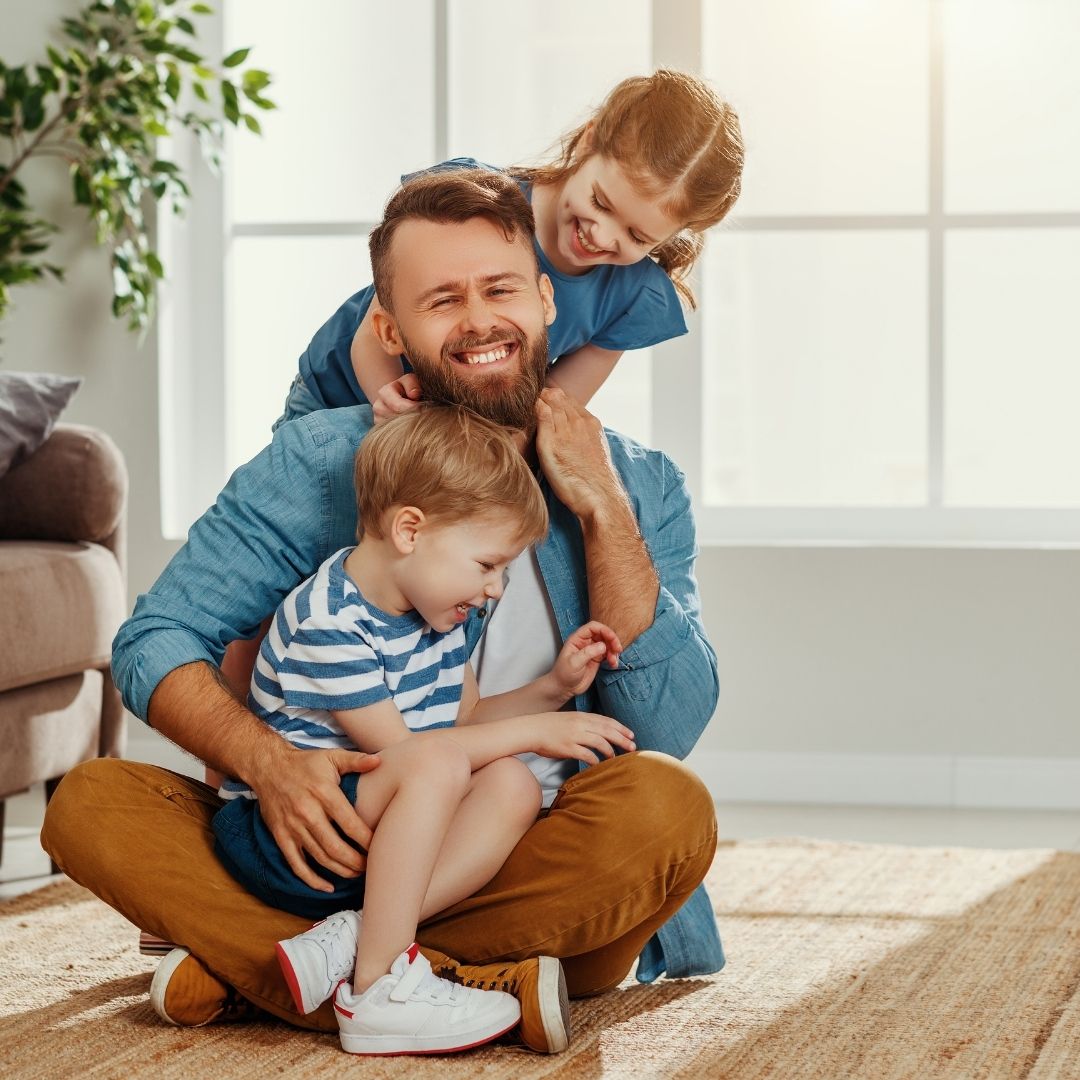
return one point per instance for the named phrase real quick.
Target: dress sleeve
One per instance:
(651, 315)
(449, 166)
(328, 666)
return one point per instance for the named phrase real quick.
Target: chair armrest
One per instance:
(73, 488)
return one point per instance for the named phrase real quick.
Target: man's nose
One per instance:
(478, 317)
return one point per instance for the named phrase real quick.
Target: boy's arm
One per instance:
(541, 695)
(371, 364)
(582, 372)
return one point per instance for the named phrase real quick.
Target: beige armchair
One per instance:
(62, 598)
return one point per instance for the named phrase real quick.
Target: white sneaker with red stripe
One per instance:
(315, 961)
(412, 1011)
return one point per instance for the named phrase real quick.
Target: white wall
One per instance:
(878, 674)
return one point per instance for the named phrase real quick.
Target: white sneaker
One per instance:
(315, 961)
(412, 1011)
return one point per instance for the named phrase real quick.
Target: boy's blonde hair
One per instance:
(678, 142)
(451, 464)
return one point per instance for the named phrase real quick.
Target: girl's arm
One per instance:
(582, 372)
(373, 366)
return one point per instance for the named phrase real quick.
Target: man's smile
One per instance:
(486, 354)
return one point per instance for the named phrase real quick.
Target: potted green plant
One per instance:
(127, 72)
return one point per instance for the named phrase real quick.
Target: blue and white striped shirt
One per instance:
(329, 650)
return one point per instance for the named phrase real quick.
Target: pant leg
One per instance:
(626, 843)
(139, 837)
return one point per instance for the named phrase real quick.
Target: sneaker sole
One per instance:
(160, 983)
(302, 1007)
(554, 1004)
(393, 1046)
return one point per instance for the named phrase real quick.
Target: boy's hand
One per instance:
(397, 397)
(581, 656)
(579, 735)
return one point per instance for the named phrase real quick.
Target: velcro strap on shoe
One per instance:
(412, 978)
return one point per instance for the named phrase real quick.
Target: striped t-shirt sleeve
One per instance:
(329, 667)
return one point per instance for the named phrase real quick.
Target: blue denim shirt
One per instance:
(293, 505)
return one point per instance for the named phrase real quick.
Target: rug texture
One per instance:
(844, 960)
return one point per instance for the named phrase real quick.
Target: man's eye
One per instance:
(443, 301)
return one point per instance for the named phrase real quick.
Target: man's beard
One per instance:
(505, 398)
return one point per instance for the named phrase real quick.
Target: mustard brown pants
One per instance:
(625, 844)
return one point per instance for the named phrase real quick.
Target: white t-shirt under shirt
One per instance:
(519, 644)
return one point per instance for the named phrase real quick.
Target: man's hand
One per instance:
(302, 801)
(581, 656)
(397, 397)
(579, 735)
(574, 455)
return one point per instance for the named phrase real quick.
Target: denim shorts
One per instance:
(247, 849)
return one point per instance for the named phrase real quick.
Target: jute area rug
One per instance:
(844, 960)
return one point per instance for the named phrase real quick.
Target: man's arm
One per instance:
(277, 518)
(640, 579)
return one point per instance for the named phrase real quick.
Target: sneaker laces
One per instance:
(341, 955)
(498, 982)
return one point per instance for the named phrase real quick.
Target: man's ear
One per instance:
(405, 526)
(547, 298)
(386, 330)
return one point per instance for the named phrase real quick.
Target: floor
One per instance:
(25, 866)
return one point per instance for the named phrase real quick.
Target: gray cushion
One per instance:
(30, 405)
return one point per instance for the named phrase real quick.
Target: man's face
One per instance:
(471, 316)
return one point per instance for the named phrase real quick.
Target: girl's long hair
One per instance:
(676, 141)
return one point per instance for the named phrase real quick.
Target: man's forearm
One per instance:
(193, 707)
(623, 583)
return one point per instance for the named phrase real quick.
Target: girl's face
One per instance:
(600, 217)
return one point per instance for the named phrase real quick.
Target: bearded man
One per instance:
(612, 868)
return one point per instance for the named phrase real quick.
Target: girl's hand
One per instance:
(580, 735)
(397, 397)
(581, 656)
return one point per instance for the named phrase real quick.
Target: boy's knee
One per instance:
(438, 759)
(512, 785)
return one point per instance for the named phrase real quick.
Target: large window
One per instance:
(885, 349)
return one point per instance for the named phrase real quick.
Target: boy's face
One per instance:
(470, 313)
(454, 568)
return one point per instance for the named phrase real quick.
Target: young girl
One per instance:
(619, 223)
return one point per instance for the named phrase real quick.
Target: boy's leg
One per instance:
(625, 844)
(631, 835)
(499, 808)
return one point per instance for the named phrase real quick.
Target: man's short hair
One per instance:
(449, 197)
(451, 464)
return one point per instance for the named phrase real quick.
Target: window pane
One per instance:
(555, 62)
(832, 95)
(815, 369)
(1012, 364)
(348, 124)
(624, 401)
(1012, 105)
(281, 290)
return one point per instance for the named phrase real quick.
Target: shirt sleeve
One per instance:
(331, 667)
(449, 166)
(651, 315)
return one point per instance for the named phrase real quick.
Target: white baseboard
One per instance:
(971, 781)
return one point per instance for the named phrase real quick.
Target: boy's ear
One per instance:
(405, 526)
(547, 298)
(389, 337)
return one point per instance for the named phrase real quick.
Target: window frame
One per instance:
(192, 332)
